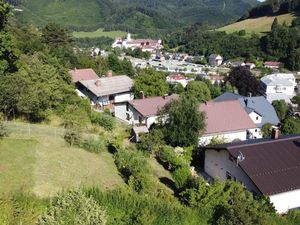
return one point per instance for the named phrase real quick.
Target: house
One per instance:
(83, 74)
(215, 60)
(259, 110)
(272, 65)
(227, 120)
(143, 111)
(268, 166)
(146, 45)
(237, 64)
(250, 66)
(177, 78)
(105, 92)
(279, 86)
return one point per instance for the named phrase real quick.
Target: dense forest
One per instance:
(273, 7)
(138, 16)
(281, 44)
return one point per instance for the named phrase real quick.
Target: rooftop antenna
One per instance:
(240, 158)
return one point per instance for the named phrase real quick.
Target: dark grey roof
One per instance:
(272, 165)
(258, 104)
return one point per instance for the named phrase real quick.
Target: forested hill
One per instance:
(273, 8)
(130, 14)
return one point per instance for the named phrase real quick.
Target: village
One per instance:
(265, 165)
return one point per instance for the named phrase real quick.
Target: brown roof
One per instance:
(271, 63)
(83, 74)
(272, 165)
(150, 106)
(225, 117)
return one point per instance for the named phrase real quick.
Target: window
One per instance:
(255, 130)
(257, 118)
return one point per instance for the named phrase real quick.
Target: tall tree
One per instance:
(198, 90)
(244, 81)
(182, 122)
(281, 109)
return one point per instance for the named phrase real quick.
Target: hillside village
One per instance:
(147, 130)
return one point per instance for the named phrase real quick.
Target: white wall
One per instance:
(256, 132)
(120, 111)
(228, 137)
(217, 164)
(123, 97)
(285, 201)
(255, 117)
(151, 120)
(289, 90)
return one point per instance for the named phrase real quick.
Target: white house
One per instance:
(215, 60)
(227, 120)
(177, 78)
(279, 86)
(142, 112)
(266, 167)
(146, 45)
(105, 92)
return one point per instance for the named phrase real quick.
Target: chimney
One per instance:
(275, 133)
(164, 97)
(142, 95)
(75, 69)
(246, 101)
(109, 73)
(249, 94)
(97, 83)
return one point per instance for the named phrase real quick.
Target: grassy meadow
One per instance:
(257, 25)
(43, 164)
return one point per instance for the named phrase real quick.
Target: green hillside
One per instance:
(257, 25)
(138, 15)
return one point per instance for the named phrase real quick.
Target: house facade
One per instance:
(215, 60)
(227, 121)
(272, 65)
(279, 86)
(142, 112)
(105, 92)
(266, 167)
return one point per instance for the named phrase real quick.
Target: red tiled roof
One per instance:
(225, 117)
(271, 63)
(83, 74)
(177, 77)
(151, 106)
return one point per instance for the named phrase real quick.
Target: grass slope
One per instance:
(257, 25)
(44, 165)
(99, 33)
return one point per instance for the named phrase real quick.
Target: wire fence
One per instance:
(34, 130)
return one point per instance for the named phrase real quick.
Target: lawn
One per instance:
(46, 165)
(99, 33)
(257, 25)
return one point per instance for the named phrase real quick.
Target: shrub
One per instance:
(170, 160)
(152, 142)
(130, 162)
(141, 183)
(181, 176)
(73, 207)
(103, 120)
(93, 145)
(72, 136)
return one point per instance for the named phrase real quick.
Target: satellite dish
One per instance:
(240, 158)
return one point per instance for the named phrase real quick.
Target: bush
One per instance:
(141, 183)
(73, 207)
(181, 176)
(130, 162)
(103, 120)
(72, 136)
(170, 160)
(93, 145)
